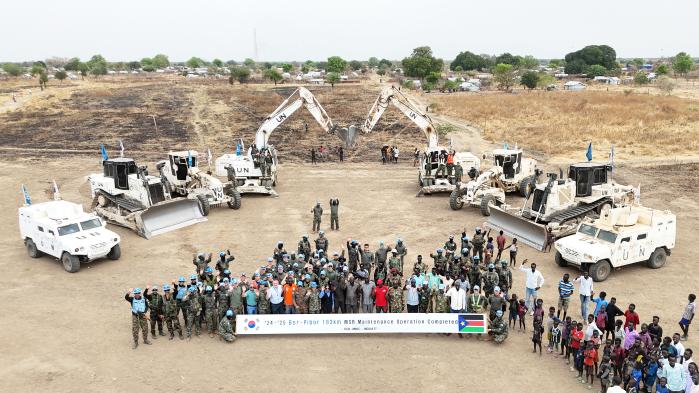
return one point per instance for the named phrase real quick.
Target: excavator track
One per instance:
(577, 211)
(124, 203)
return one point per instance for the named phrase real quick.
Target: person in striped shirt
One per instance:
(565, 290)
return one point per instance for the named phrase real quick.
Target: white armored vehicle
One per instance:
(64, 231)
(620, 237)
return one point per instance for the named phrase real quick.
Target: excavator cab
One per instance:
(179, 165)
(119, 169)
(510, 161)
(588, 174)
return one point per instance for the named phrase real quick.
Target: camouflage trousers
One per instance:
(139, 322)
(227, 337)
(211, 318)
(155, 320)
(499, 338)
(173, 323)
(334, 222)
(316, 225)
(192, 321)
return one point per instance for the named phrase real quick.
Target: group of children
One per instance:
(645, 360)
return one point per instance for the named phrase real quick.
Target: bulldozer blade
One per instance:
(526, 231)
(347, 135)
(168, 216)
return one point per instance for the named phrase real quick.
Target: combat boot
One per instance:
(145, 341)
(135, 344)
(152, 333)
(172, 335)
(160, 332)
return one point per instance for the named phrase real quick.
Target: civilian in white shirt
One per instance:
(687, 359)
(586, 289)
(678, 345)
(457, 298)
(533, 283)
(616, 381)
(591, 327)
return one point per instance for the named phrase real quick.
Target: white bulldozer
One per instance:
(124, 194)
(255, 171)
(559, 205)
(429, 181)
(182, 177)
(510, 173)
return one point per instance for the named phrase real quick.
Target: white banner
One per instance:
(360, 323)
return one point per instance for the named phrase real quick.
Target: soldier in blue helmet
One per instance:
(225, 327)
(139, 308)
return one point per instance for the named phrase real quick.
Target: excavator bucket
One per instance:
(347, 135)
(168, 216)
(526, 231)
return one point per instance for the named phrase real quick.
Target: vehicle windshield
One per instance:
(587, 229)
(68, 229)
(606, 236)
(91, 224)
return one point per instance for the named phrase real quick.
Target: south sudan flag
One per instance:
(472, 323)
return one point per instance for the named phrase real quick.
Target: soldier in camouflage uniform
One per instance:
(441, 300)
(366, 258)
(200, 261)
(380, 257)
(395, 263)
(235, 297)
(450, 247)
(193, 307)
(395, 298)
(504, 277)
(402, 251)
(279, 252)
(300, 298)
(474, 274)
(317, 215)
(424, 293)
(225, 328)
(304, 247)
(263, 306)
(172, 321)
(155, 302)
(458, 173)
(478, 242)
(139, 308)
(420, 266)
(334, 214)
(210, 311)
(313, 299)
(476, 301)
(224, 260)
(440, 261)
(490, 280)
(208, 277)
(321, 242)
(353, 252)
(498, 328)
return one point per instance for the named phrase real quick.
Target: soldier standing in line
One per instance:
(155, 302)
(458, 173)
(504, 277)
(490, 280)
(263, 305)
(353, 252)
(172, 321)
(478, 242)
(367, 258)
(395, 263)
(476, 301)
(322, 242)
(139, 308)
(402, 251)
(267, 159)
(224, 260)
(225, 329)
(450, 247)
(442, 161)
(313, 299)
(300, 298)
(442, 305)
(440, 260)
(190, 303)
(317, 215)
(210, 311)
(474, 274)
(304, 246)
(334, 217)
(420, 267)
(395, 298)
(424, 297)
(200, 261)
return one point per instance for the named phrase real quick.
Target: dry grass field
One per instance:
(561, 123)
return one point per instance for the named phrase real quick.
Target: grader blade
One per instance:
(526, 231)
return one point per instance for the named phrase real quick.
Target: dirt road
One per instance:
(72, 332)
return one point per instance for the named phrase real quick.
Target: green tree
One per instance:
(596, 70)
(287, 67)
(83, 68)
(381, 72)
(267, 65)
(133, 65)
(336, 64)
(428, 86)
(60, 75)
(239, 73)
(662, 69)
(529, 62)
(638, 63)
(468, 61)
(433, 77)
(641, 78)
(332, 78)
(504, 76)
(305, 68)
(555, 63)
(98, 69)
(37, 68)
(578, 61)
(373, 62)
(508, 58)
(217, 63)
(529, 79)
(273, 75)
(665, 84)
(231, 63)
(12, 69)
(421, 63)
(97, 61)
(450, 85)
(194, 62)
(545, 79)
(250, 63)
(147, 64)
(682, 64)
(43, 80)
(160, 61)
(73, 64)
(385, 63)
(355, 65)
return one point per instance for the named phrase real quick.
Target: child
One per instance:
(636, 376)
(538, 309)
(590, 362)
(555, 336)
(661, 387)
(601, 318)
(576, 336)
(605, 373)
(618, 355)
(565, 339)
(538, 333)
(549, 326)
(579, 360)
(596, 342)
(650, 374)
(513, 252)
(521, 313)
(688, 315)
(514, 304)
(619, 330)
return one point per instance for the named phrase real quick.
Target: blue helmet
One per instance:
(208, 288)
(300, 283)
(193, 277)
(208, 269)
(199, 284)
(226, 271)
(313, 284)
(137, 291)
(181, 279)
(498, 313)
(229, 313)
(222, 254)
(476, 258)
(270, 259)
(225, 279)
(491, 266)
(166, 287)
(440, 250)
(234, 280)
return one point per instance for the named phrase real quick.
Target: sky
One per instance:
(314, 29)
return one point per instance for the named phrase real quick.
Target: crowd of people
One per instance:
(389, 154)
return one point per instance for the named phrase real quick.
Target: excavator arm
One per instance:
(391, 95)
(300, 97)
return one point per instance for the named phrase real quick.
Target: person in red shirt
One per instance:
(590, 363)
(576, 337)
(500, 240)
(380, 297)
(618, 356)
(631, 316)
